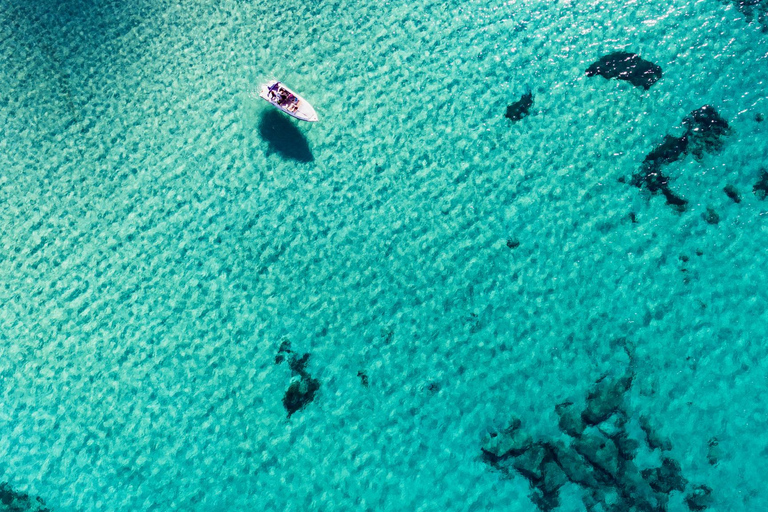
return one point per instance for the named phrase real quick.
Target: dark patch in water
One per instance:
(670, 150)
(704, 132)
(667, 478)
(20, 502)
(699, 498)
(597, 453)
(705, 129)
(283, 137)
(714, 452)
(650, 174)
(285, 348)
(754, 10)
(711, 216)
(761, 187)
(298, 365)
(300, 392)
(520, 108)
(513, 243)
(626, 66)
(732, 193)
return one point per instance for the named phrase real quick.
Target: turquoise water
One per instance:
(163, 232)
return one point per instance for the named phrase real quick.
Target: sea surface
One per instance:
(449, 271)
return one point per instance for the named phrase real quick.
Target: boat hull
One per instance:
(297, 107)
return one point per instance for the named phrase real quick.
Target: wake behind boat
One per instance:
(288, 101)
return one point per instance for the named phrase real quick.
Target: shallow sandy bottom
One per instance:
(163, 232)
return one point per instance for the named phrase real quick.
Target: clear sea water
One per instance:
(163, 231)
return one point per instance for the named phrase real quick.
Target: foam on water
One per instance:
(163, 232)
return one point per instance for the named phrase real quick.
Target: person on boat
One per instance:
(280, 94)
(285, 101)
(274, 91)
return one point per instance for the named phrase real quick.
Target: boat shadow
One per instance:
(284, 138)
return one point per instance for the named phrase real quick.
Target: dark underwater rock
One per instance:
(513, 243)
(699, 498)
(705, 129)
(600, 452)
(650, 175)
(302, 391)
(299, 394)
(761, 187)
(520, 109)
(298, 365)
(652, 438)
(732, 193)
(714, 452)
(575, 466)
(363, 378)
(605, 398)
(546, 502)
(599, 455)
(637, 495)
(704, 132)
(666, 478)
(570, 419)
(434, 387)
(673, 199)
(627, 446)
(530, 462)
(509, 443)
(626, 66)
(20, 502)
(534, 461)
(613, 426)
(670, 150)
(754, 10)
(285, 348)
(554, 477)
(711, 216)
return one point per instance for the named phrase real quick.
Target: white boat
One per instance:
(288, 101)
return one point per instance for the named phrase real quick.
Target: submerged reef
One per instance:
(285, 348)
(597, 452)
(711, 216)
(705, 129)
(700, 498)
(302, 390)
(733, 193)
(520, 109)
(704, 132)
(20, 502)
(754, 10)
(760, 188)
(650, 175)
(626, 66)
